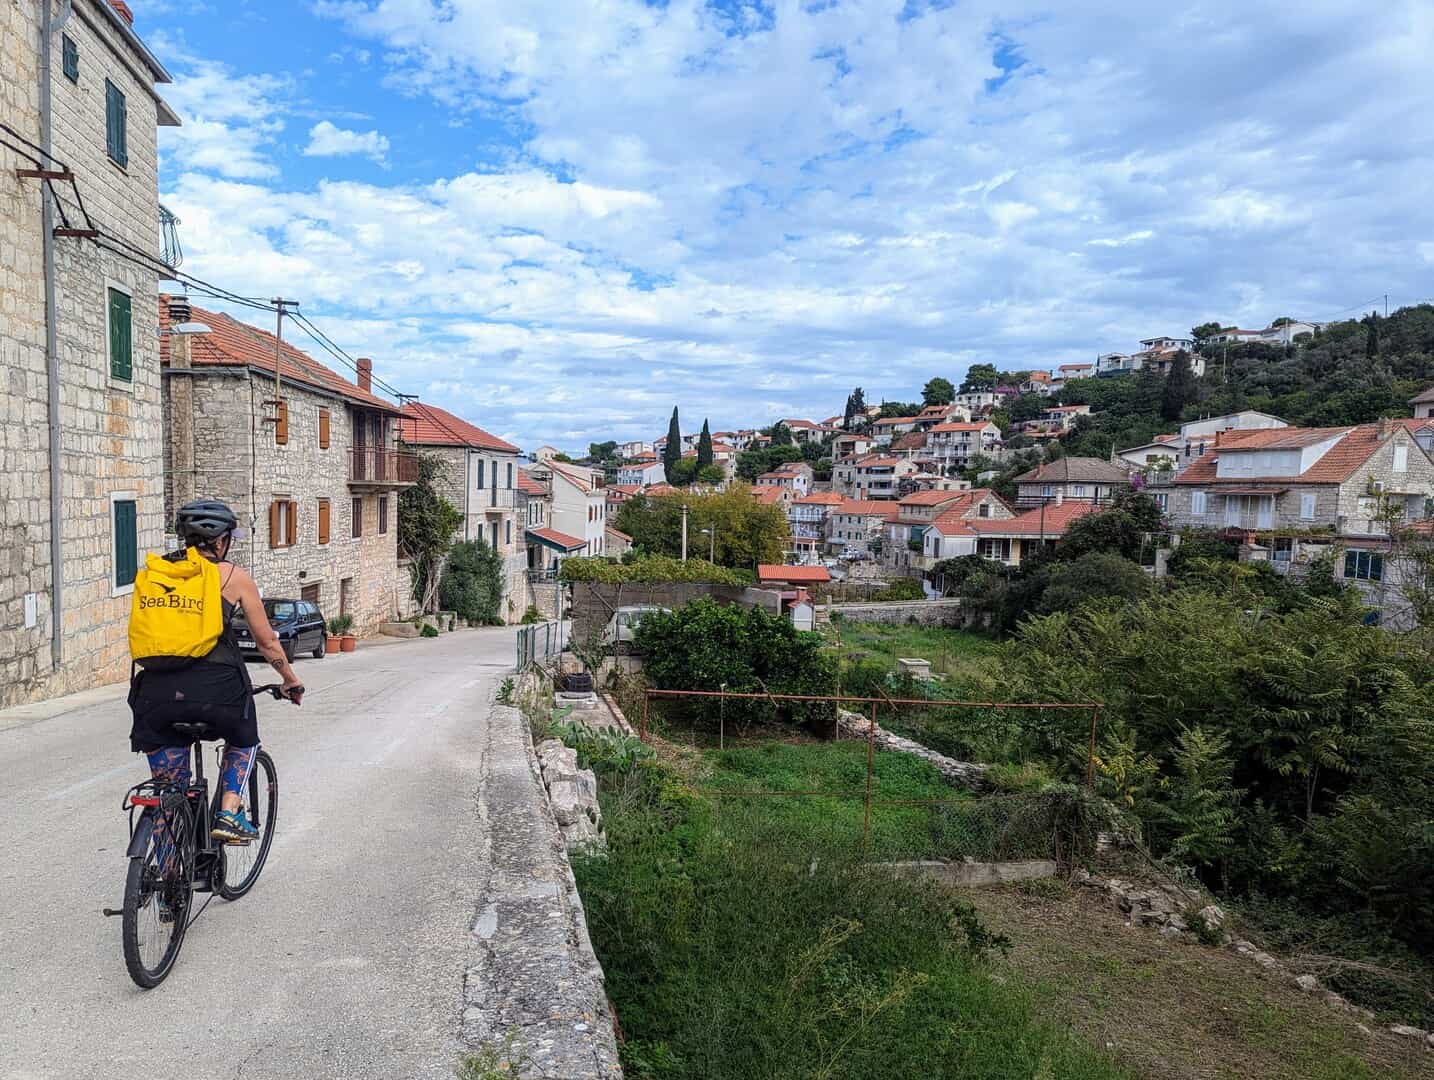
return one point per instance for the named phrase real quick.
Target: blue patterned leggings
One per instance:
(172, 763)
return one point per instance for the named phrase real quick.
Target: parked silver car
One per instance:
(621, 629)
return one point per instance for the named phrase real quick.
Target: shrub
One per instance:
(429, 630)
(472, 583)
(901, 589)
(532, 615)
(652, 568)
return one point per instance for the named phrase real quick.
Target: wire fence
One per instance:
(904, 810)
(538, 642)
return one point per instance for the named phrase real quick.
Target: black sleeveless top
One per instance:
(213, 690)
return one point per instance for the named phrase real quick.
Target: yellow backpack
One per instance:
(177, 612)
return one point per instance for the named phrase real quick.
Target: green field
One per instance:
(959, 655)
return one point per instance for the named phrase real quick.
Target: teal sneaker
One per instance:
(233, 826)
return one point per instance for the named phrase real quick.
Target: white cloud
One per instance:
(803, 197)
(327, 140)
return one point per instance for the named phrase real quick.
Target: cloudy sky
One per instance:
(560, 218)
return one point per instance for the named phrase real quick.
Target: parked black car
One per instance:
(299, 624)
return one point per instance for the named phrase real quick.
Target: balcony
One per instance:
(373, 467)
(495, 500)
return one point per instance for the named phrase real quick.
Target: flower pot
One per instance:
(332, 644)
(347, 643)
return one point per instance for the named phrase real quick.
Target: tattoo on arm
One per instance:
(277, 664)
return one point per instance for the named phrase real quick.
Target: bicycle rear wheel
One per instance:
(158, 890)
(243, 862)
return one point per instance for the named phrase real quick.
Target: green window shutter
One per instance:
(126, 542)
(1349, 564)
(116, 143)
(1376, 568)
(121, 336)
(71, 58)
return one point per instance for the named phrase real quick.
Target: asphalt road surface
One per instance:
(346, 960)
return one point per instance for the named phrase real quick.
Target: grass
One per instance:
(1179, 1011)
(745, 938)
(959, 655)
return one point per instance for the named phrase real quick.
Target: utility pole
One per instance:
(684, 532)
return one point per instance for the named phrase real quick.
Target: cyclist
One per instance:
(214, 689)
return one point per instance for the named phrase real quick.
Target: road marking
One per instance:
(97, 778)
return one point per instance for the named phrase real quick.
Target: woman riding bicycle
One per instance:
(214, 689)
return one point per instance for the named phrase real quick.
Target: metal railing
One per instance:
(538, 642)
(382, 466)
(496, 499)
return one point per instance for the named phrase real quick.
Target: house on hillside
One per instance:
(1196, 435)
(578, 506)
(310, 462)
(773, 495)
(617, 494)
(877, 476)
(932, 415)
(796, 476)
(952, 446)
(849, 445)
(889, 427)
(480, 478)
(1158, 353)
(1071, 479)
(856, 526)
(633, 448)
(917, 512)
(1007, 540)
(807, 518)
(770, 574)
(641, 473)
(1423, 404)
(88, 458)
(1284, 334)
(978, 402)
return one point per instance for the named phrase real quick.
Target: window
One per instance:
(121, 335)
(71, 58)
(283, 523)
(1364, 565)
(126, 543)
(383, 515)
(1283, 550)
(356, 516)
(1307, 507)
(1077, 491)
(508, 531)
(510, 474)
(1047, 491)
(493, 535)
(481, 463)
(116, 139)
(281, 424)
(323, 521)
(1401, 459)
(1197, 503)
(323, 429)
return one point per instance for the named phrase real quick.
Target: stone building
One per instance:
(1072, 479)
(308, 460)
(80, 464)
(481, 479)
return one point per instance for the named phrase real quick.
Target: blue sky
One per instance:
(559, 219)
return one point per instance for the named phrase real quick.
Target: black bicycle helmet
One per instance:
(204, 520)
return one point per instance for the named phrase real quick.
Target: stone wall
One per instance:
(899, 613)
(110, 429)
(236, 459)
(593, 603)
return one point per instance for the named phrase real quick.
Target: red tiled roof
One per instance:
(528, 485)
(582, 481)
(622, 489)
(428, 425)
(982, 426)
(563, 540)
(769, 493)
(1336, 465)
(1074, 367)
(865, 507)
(1049, 520)
(793, 574)
(912, 440)
(660, 489)
(236, 344)
(820, 498)
(617, 532)
(932, 498)
(1077, 470)
(878, 462)
(896, 420)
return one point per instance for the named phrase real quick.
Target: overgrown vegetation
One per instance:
(472, 583)
(746, 532)
(651, 568)
(426, 524)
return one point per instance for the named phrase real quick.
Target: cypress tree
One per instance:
(1179, 387)
(672, 452)
(704, 446)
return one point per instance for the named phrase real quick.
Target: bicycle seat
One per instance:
(195, 731)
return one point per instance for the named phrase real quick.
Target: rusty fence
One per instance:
(987, 827)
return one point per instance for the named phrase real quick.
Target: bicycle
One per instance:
(172, 856)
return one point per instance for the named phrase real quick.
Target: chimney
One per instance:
(1060, 496)
(1386, 427)
(124, 12)
(365, 374)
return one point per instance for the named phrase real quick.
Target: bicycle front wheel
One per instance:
(243, 862)
(158, 891)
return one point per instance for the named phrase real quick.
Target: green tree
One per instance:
(1371, 340)
(672, 451)
(472, 583)
(980, 377)
(780, 434)
(1120, 529)
(899, 408)
(1180, 387)
(600, 452)
(938, 391)
(682, 473)
(747, 532)
(1204, 332)
(427, 523)
(855, 409)
(753, 463)
(704, 446)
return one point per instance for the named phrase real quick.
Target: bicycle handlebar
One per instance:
(276, 690)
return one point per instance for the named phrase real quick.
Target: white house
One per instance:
(579, 503)
(641, 474)
(952, 446)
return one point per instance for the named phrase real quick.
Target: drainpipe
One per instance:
(52, 350)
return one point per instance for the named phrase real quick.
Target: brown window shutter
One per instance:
(323, 429)
(274, 538)
(323, 521)
(281, 424)
(293, 522)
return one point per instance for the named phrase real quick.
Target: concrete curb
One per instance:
(533, 990)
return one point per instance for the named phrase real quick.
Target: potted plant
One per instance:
(341, 627)
(334, 641)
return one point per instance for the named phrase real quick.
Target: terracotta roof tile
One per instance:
(973, 426)
(793, 574)
(1336, 465)
(932, 498)
(1076, 469)
(428, 425)
(528, 485)
(865, 507)
(1049, 521)
(563, 540)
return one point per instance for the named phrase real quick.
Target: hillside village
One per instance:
(1068, 719)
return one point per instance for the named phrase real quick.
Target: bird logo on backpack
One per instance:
(176, 614)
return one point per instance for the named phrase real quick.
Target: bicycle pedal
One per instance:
(231, 842)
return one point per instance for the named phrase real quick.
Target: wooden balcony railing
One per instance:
(382, 466)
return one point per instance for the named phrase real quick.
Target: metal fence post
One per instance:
(870, 770)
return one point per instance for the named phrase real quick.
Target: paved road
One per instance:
(347, 958)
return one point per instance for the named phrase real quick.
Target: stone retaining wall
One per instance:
(901, 613)
(963, 773)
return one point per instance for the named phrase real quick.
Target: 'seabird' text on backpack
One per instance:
(177, 612)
